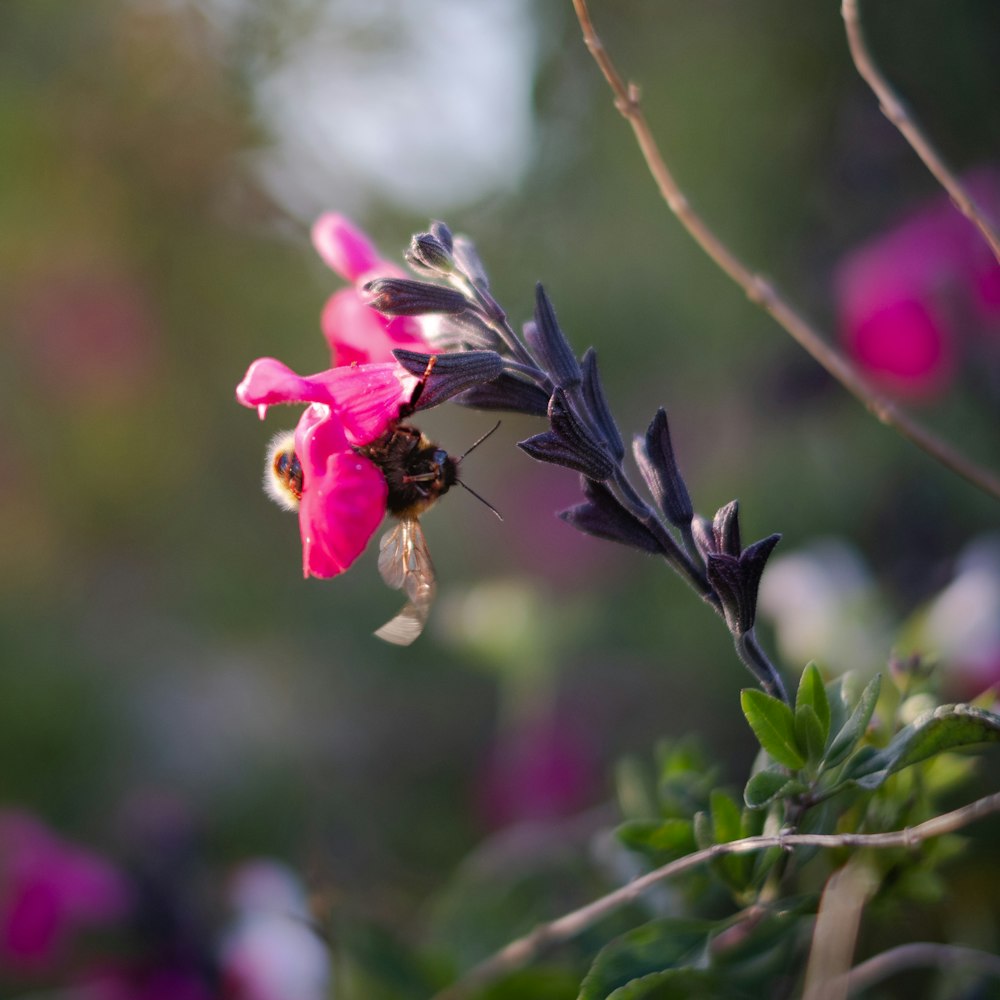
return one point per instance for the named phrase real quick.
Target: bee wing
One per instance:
(405, 564)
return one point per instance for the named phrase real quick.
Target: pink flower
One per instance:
(354, 331)
(542, 769)
(343, 494)
(904, 297)
(157, 982)
(48, 889)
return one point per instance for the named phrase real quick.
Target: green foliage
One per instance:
(812, 695)
(774, 725)
(948, 727)
(656, 946)
(829, 763)
(766, 786)
(857, 722)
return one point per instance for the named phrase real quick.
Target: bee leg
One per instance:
(407, 408)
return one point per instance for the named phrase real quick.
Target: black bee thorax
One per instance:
(416, 471)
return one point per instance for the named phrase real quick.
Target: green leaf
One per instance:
(672, 984)
(774, 725)
(836, 699)
(666, 839)
(766, 786)
(812, 693)
(854, 728)
(757, 950)
(948, 727)
(727, 823)
(661, 944)
(539, 984)
(704, 835)
(809, 733)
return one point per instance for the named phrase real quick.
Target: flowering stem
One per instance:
(761, 291)
(756, 661)
(673, 553)
(896, 111)
(495, 317)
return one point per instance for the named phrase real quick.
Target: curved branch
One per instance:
(896, 111)
(919, 954)
(760, 290)
(524, 950)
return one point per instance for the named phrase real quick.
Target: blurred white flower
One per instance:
(427, 105)
(825, 607)
(962, 624)
(272, 951)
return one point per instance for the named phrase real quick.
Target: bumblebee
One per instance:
(417, 473)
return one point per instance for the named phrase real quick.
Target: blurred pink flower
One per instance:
(88, 335)
(906, 298)
(343, 493)
(157, 982)
(355, 332)
(542, 769)
(48, 889)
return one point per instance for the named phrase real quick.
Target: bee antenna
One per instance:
(472, 447)
(482, 500)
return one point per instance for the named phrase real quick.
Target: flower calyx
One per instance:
(654, 455)
(570, 442)
(733, 573)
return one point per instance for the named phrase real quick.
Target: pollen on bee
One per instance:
(283, 472)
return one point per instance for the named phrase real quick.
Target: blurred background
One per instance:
(168, 678)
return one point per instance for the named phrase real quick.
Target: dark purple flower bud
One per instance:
(753, 559)
(726, 579)
(441, 232)
(466, 332)
(597, 405)
(736, 579)
(604, 517)
(468, 263)
(508, 392)
(704, 538)
(726, 529)
(451, 373)
(654, 455)
(403, 297)
(551, 448)
(429, 254)
(569, 442)
(549, 345)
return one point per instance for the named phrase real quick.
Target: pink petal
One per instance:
(357, 333)
(344, 247)
(268, 382)
(343, 495)
(368, 398)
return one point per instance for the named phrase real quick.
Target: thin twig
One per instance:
(760, 290)
(896, 111)
(918, 954)
(524, 950)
